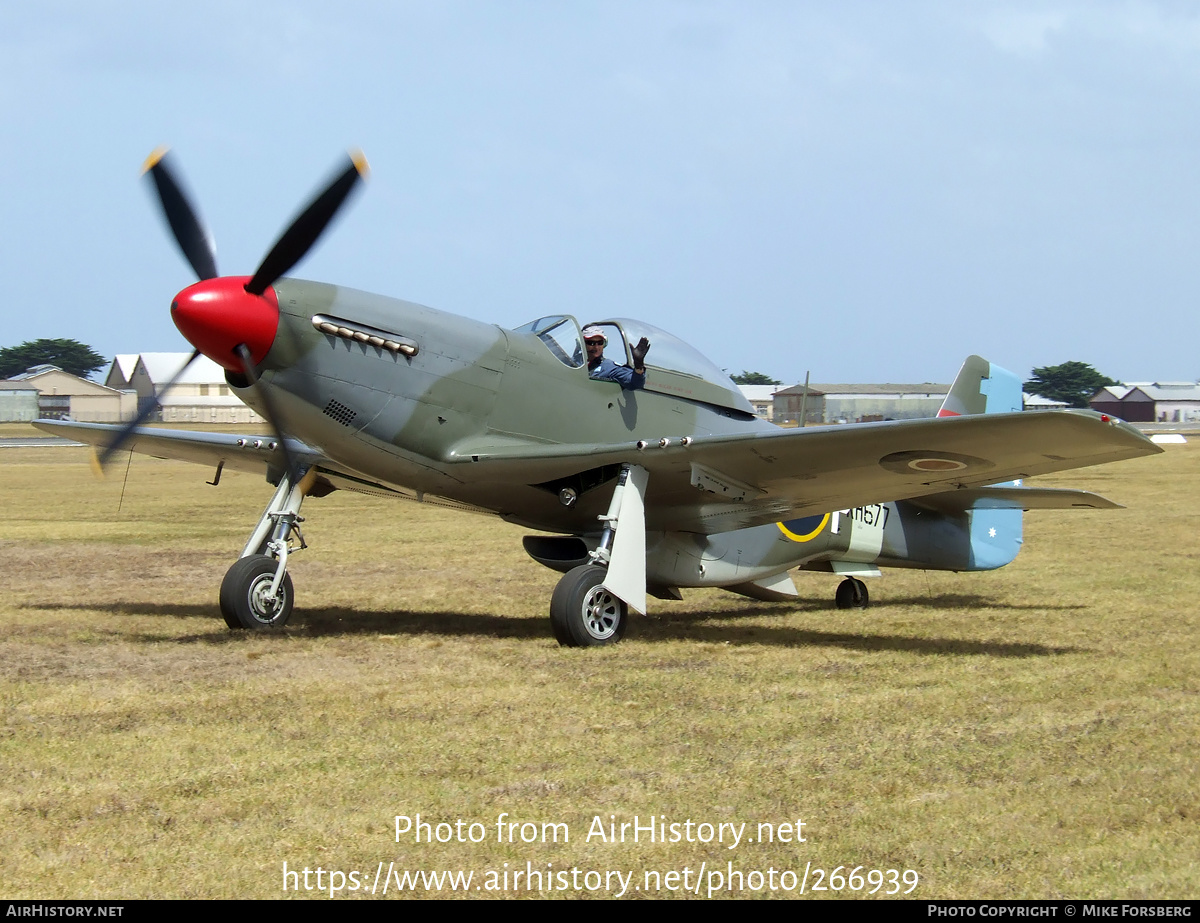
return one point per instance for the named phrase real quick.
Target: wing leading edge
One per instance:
(256, 454)
(253, 454)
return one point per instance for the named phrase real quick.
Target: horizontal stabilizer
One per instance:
(1015, 498)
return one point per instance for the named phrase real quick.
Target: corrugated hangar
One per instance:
(857, 403)
(1150, 401)
(133, 379)
(201, 395)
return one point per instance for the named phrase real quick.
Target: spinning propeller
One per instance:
(232, 319)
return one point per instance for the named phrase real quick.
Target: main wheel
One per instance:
(245, 594)
(852, 594)
(583, 613)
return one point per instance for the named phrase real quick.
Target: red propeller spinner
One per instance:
(217, 315)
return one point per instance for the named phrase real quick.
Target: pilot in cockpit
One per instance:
(601, 368)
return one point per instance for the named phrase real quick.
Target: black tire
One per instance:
(852, 594)
(584, 614)
(243, 595)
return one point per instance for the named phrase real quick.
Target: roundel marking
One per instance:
(803, 530)
(932, 461)
(937, 464)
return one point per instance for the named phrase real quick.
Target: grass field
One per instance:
(1027, 733)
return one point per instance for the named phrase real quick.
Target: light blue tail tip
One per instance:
(982, 387)
(1002, 390)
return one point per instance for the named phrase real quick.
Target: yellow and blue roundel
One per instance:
(804, 529)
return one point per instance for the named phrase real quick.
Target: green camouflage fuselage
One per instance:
(412, 422)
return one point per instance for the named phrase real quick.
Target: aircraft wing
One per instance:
(243, 453)
(721, 483)
(255, 454)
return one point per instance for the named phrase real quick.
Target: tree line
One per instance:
(69, 355)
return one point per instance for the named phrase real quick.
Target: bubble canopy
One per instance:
(672, 366)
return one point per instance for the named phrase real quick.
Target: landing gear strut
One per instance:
(852, 594)
(257, 591)
(591, 604)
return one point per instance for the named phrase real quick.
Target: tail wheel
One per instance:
(583, 613)
(852, 594)
(246, 599)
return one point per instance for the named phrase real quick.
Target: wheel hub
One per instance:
(601, 613)
(262, 603)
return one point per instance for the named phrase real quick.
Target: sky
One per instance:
(862, 191)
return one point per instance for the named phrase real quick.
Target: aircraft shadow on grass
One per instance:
(692, 626)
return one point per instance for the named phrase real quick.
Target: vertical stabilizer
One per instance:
(982, 387)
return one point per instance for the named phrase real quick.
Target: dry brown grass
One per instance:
(1026, 733)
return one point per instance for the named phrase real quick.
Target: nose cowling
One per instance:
(218, 315)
